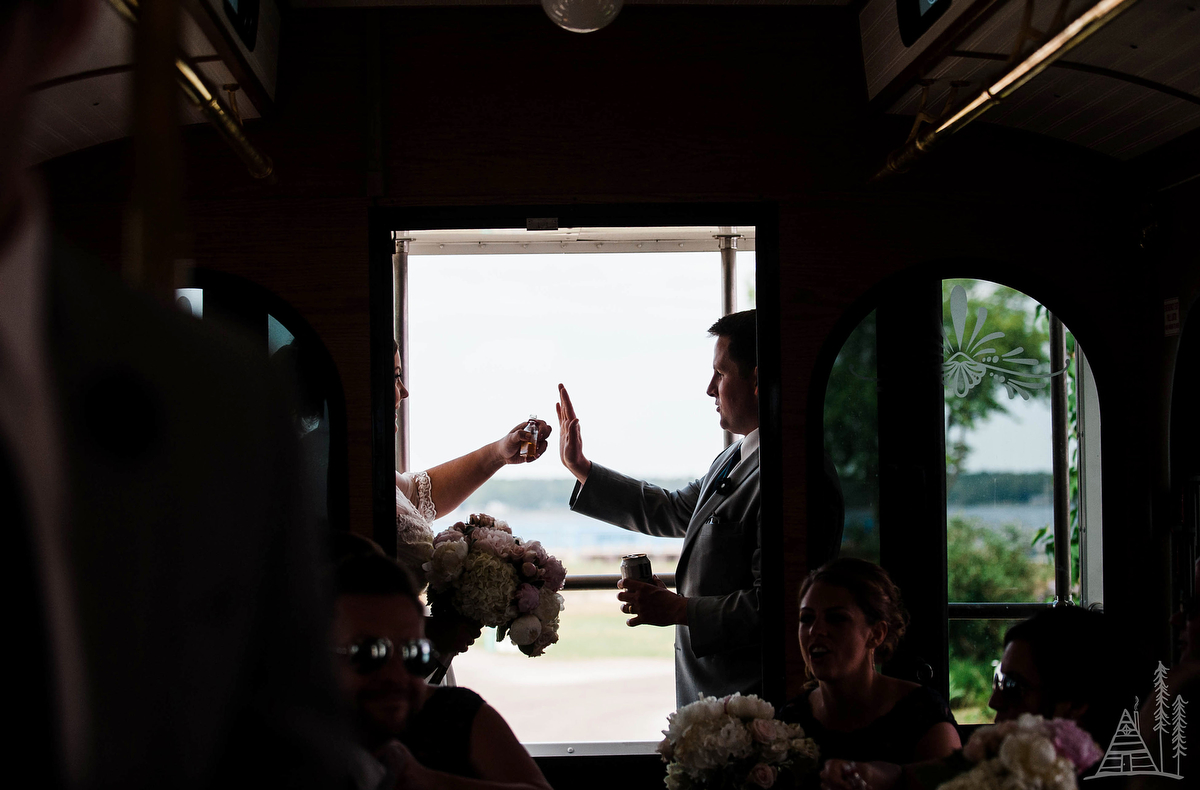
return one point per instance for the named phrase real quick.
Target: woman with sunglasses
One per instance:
(409, 734)
(852, 618)
(420, 496)
(1057, 664)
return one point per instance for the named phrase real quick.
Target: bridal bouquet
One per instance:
(487, 574)
(734, 742)
(1030, 752)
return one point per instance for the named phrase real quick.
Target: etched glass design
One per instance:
(966, 364)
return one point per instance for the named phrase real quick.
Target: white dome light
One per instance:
(582, 16)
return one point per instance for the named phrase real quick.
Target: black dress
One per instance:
(439, 736)
(892, 737)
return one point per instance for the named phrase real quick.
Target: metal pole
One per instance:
(727, 243)
(1072, 35)
(1062, 489)
(400, 313)
(198, 93)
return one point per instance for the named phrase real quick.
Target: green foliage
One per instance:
(1045, 535)
(860, 541)
(851, 407)
(985, 565)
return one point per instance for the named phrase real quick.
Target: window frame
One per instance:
(917, 561)
(383, 221)
(479, 241)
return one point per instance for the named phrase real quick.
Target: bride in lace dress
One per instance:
(420, 496)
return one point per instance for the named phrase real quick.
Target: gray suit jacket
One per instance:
(720, 650)
(203, 620)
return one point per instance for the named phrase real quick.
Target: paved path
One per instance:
(611, 699)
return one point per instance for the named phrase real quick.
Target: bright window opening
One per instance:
(622, 322)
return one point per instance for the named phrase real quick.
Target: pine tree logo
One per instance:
(1127, 753)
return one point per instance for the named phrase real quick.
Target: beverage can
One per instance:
(637, 567)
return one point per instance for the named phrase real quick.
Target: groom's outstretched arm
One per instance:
(613, 497)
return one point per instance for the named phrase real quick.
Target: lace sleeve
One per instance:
(424, 500)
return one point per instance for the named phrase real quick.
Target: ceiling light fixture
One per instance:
(582, 16)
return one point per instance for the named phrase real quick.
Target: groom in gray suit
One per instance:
(715, 613)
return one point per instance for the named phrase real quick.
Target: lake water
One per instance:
(562, 531)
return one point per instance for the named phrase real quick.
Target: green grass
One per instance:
(593, 626)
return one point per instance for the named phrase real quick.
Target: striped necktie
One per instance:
(721, 482)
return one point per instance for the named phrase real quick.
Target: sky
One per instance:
(490, 337)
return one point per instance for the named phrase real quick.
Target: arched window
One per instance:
(1015, 465)
(300, 358)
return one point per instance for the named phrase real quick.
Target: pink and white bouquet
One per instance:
(735, 742)
(487, 574)
(1029, 752)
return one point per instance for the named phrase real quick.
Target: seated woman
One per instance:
(409, 734)
(851, 617)
(1050, 668)
(421, 496)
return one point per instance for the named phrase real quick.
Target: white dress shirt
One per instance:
(749, 445)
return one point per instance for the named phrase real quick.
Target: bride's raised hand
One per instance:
(570, 438)
(510, 445)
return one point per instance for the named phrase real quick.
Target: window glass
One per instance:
(490, 337)
(852, 439)
(999, 465)
(975, 650)
(747, 274)
(277, 336)
(190, 300)
(999, 481)
(999, 468)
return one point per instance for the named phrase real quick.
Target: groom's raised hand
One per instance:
(570, 439)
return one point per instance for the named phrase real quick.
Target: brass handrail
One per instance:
(206, 102)
(1072, 35)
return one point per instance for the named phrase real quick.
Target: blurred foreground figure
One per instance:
(413, 736)
(167, 625)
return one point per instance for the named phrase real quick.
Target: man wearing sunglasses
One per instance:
(1060, 663)
(413, 735)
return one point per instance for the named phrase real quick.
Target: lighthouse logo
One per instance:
(1128, 754)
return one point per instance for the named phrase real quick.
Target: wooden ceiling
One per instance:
(1131, 88)
(1127, 90)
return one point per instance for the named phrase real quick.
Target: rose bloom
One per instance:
(555, 574)
(762, 775)
(527, 598)
(762, 730)
(525, 630)
(450, 533)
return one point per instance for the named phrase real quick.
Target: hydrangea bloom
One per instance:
(499, 580)
(485, 588)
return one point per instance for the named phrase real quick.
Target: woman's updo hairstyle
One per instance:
(874, 592)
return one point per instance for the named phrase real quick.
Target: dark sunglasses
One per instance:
(1011, 688)
(373, 652)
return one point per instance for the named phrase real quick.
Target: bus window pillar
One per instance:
(400, 317)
